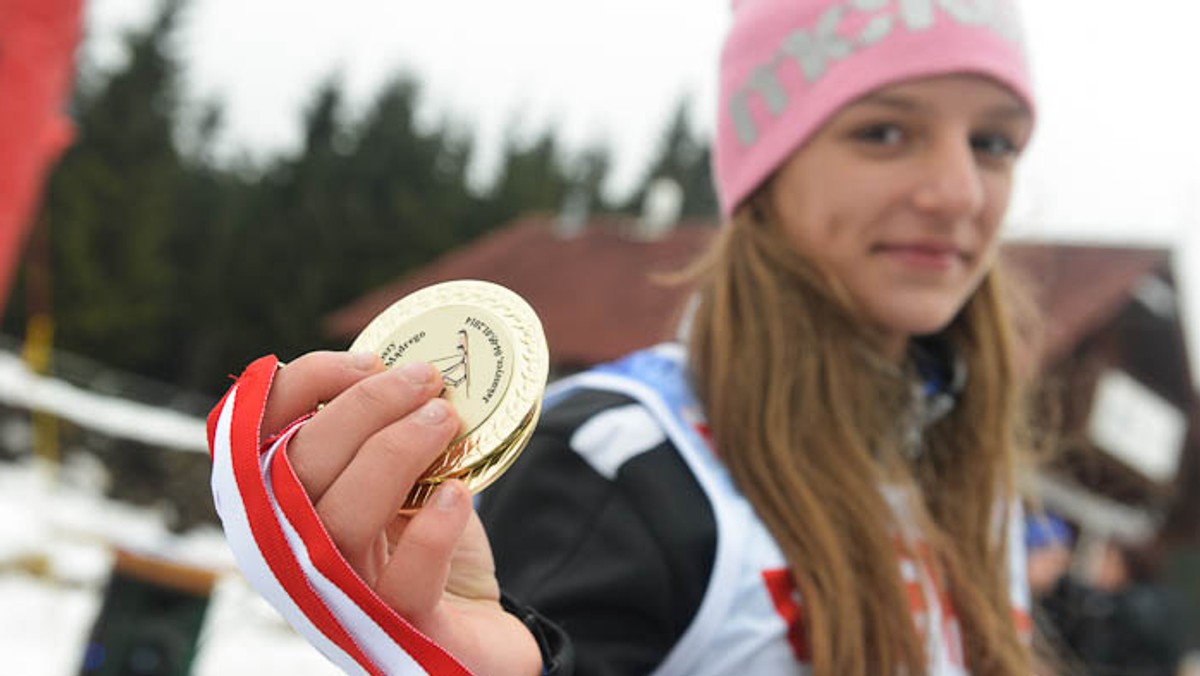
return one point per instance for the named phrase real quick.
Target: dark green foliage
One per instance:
(173, 265)
(111, 209)
(686, 159)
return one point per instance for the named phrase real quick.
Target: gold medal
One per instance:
(489, 346)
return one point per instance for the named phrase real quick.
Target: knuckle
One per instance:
(383, 391)
(305, 372)
(310, 363)
(408, 447)
(428, 543)
(335, 525)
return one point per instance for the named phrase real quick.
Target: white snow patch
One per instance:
(57, 543)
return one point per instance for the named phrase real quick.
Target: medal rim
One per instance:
(507, 428)
(479, 475)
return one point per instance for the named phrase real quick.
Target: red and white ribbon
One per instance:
(285, 553)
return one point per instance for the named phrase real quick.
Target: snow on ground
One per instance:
(57, 538)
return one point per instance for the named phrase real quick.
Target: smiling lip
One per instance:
(925, 256)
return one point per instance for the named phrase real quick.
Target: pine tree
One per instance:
(686, 159)
(168, 263)
(112, 205)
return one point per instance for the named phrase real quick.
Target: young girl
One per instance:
(819, 478)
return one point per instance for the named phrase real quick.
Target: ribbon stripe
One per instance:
(286, 554)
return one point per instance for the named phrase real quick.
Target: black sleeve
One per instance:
(620, 563)
(558, 654)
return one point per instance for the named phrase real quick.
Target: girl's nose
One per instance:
(951, 183)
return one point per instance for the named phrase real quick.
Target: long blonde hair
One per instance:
(804, 411)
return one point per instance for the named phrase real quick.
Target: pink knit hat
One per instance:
(788, 65)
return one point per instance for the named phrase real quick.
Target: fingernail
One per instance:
(434, 411)
(446, 497)
(417, 372)
(363, 361)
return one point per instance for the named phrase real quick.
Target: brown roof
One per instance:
(1079, 288)
(592, 291)
(594, 294)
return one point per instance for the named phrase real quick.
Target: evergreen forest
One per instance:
(153, 256)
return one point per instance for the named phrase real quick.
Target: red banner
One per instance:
(37, 64)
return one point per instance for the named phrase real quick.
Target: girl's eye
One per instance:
(994, 145)
(882, 134)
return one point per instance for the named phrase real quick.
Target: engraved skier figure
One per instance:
(457, 372)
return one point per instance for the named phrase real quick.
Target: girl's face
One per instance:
(900, 197)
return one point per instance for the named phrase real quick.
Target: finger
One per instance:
(313, 378)
(324, 447)
(472, 568)
(414, 580)
(365, 497)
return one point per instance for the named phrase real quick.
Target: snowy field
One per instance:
(57, 538)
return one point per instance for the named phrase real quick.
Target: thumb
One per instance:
(414, 579)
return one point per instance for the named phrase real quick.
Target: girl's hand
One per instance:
(357, 458)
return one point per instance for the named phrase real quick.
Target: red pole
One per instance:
(37, 63)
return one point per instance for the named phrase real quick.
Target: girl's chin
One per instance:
(910, 326)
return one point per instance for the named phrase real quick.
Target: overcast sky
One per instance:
(599, 71)
(1116, 156)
